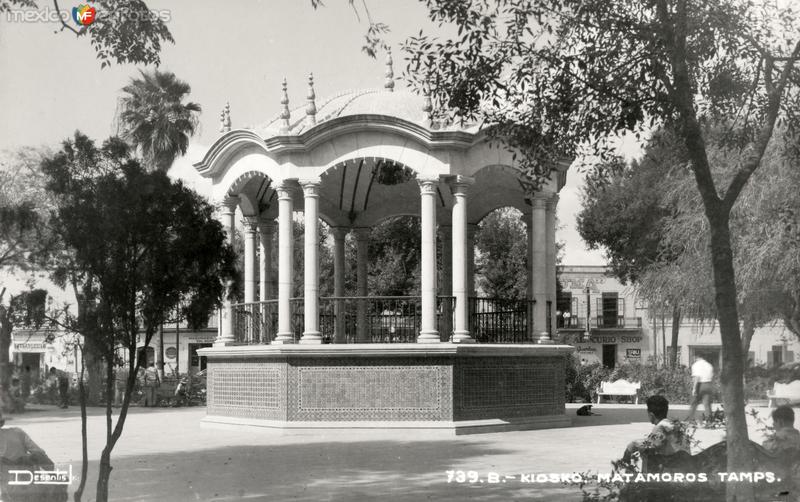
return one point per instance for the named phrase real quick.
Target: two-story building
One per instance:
(606, 321)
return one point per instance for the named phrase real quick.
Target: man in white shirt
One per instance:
(702, 386)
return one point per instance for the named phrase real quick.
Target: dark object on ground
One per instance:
(784, 465)
(585, 411)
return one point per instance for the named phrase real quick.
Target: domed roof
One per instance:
(398, 104)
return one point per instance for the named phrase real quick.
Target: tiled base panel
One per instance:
(413, 390)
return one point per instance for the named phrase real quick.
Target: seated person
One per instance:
(786, 436)
(666, 438)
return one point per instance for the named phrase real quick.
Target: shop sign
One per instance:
(613, 339)
(633, 353)
(171, 352)
(30, 347)
(585, 348)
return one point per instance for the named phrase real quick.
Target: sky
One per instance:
(239, 52)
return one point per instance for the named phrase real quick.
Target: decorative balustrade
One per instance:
(500, 320)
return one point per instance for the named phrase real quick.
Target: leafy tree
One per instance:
(23, 237)
(140, 244)
(124, 31)
(155, 119)
(394, 257)
(624, 212)
(501, 243)
(158, 124)
(554, 76)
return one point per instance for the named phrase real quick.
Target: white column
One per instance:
(225, 334)
(250, 224)
(539, 266)
(266, 230)
(339, 235)
(285, 264)
(460, 256)
(428, 332)
(550, 242)
(362, 251)
(311, 334)
(228, 214)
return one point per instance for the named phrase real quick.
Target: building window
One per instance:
(609, 310)
(564, 310)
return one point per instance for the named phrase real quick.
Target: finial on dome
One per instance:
(222, 120)
(226, 120)
(311, 107)
(285, 114)
(389, 82)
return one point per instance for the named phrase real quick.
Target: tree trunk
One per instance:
(6, 328)
(739, 458)
(676, 327)
(84, 440)
(103, 475)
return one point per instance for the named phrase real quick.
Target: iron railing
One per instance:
(377, 319)
(257, 322)
(499, 320)
(610, 322)
(571, 322)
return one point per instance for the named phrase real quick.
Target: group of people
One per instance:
(668, 436)
(148, 379)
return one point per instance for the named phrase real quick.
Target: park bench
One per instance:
(789, 392)
(714, 460)
(619, 388)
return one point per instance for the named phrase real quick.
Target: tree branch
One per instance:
(65, 25)
(754, 159)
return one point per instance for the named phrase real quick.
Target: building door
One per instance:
(196, 362)
(32, 360)
(610, 355)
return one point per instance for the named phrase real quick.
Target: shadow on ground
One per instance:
(329, 471)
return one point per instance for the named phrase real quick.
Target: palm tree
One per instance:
(154, 118)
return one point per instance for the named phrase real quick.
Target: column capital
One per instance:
(428, 185)
(538, 200)
(460, 184)
(340, 232)
(284, 190)
(361, 233)
(251, 223)
(310, 186)
(552, 202)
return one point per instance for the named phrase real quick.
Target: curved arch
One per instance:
(227, 144)
(500, 206)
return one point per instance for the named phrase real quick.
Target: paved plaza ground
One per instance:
(165, 454)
